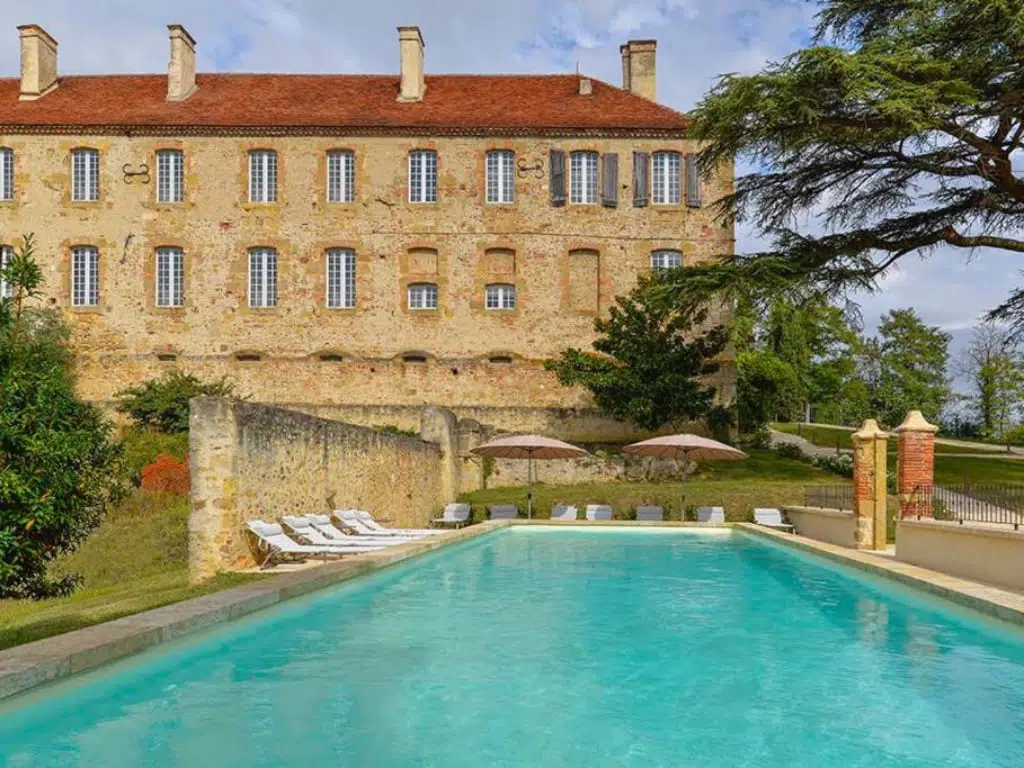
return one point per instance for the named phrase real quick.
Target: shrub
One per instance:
(839, 465)
(790, 451)
(166, 474)
(162, 403)
(60, 468)
(760, 438)
(143, 446)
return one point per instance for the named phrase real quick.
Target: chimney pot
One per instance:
(38, 62)
(181, 69)
(410, 48)
(638, 68)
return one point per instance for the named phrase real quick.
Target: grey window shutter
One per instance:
(692, 182)
(557, 177)
(610, 180)
(641, 187)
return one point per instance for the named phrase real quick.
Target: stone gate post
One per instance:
(869, 486)
(916, 456)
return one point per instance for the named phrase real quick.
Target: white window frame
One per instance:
(666, 178)
(340, 278)
(500, 181)
(170, 277)
(262, 176)
(341, 176)
(500, 296)
(6, 254)
(664, 259)
(584, 177)
(85, 175)
(262, 278)
(170, 176)
(6, 173)
(423, 176)
(85, 277)
(422, 296)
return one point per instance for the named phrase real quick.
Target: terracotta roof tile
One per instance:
(514, 104)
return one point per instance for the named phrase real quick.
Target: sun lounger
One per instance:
(362, 523)
(323, 524)
(710, 515)
(281, 548)
(771, 518)
(650, 514)
(304, 529)
(564, 512)
(455, 514)
(599, 512)
(503, 511)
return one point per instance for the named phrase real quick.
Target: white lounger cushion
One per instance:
(456, 513)
(305, 529)
(599, 512)
(650, 514)
(710, 515)
(503, 511)
(325, 526)
(564, 512)
(362, 523)
(274, 536)
(770, 517)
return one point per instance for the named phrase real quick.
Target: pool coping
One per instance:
(44, 661)
(984, 598)
(28, 666)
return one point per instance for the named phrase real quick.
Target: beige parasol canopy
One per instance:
(529, 447)
(686, 448)
(689, 447)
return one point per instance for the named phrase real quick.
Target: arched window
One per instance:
(500, 296)
(262, 277)
(666, 178)
(663, 261)
(422, 296)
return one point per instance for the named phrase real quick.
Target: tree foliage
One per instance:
(993, 368)
(894, 133)
(649, 362)
(60, 469)
(162, 403)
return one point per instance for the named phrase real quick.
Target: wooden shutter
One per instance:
(557, 171)
(610, 180)
(641, 187)
(692, 182)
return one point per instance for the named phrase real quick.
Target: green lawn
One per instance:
(955, 470)
(135, 561)
(829, 437)
(763, 480)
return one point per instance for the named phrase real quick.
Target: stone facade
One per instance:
(567, 263)
(252, 461)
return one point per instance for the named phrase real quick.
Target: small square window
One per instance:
(662, 261)
(500, 296)
(422, 296)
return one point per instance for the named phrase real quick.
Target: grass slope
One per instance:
(830, 437)
(135, 561)
(764, 480)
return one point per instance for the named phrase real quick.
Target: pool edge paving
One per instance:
(44, 661)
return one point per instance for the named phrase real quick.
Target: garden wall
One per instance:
(833, 526)
(256, 461)
(987, 554)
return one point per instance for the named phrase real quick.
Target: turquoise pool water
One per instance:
(560, 648)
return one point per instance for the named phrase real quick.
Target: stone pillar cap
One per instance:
(916, 422)
(870, 431)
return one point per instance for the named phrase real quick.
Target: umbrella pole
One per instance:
(682, 490)
(529, 487)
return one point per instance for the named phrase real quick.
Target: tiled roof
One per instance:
(270, 103)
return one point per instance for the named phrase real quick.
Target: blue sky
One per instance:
(697, 41)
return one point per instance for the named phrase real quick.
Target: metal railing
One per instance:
(829, 496)
(1001, 504)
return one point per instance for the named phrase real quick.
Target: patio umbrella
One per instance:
(688, 448)
(529, 447)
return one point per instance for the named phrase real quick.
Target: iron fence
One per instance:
(1001, 504)
(829, 496)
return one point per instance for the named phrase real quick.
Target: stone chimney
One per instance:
(38, 62)
(638, 68)
(181, 69)
(410, 47)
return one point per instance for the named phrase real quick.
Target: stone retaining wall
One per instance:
(994, 555)
(833, 526)
(256, 461)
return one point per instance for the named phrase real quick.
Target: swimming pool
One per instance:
(571, 647)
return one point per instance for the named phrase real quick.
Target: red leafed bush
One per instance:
(167, 474)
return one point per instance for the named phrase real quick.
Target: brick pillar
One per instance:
(869, 491)
(916, 456)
